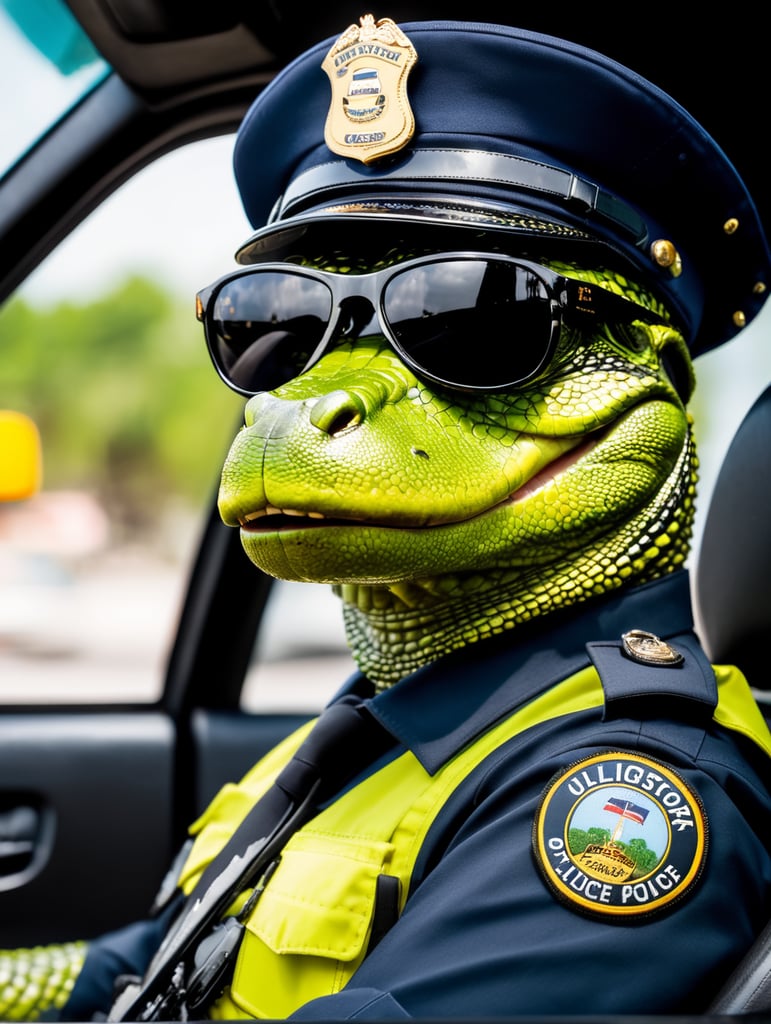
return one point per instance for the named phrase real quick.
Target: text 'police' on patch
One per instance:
(619, 834)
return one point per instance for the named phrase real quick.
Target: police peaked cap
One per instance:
(530, 136)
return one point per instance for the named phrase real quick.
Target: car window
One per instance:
(301, 657)
(42, 46)
(102, 350)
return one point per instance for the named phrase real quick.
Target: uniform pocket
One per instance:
(309, 930)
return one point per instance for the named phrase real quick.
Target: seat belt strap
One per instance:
(342, 743)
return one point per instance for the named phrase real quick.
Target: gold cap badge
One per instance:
(369, 115)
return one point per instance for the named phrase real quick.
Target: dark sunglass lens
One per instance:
(475, 323)
(265, 325)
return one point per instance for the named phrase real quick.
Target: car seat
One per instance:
(733, 599)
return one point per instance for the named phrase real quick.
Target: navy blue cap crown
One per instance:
(508, 121)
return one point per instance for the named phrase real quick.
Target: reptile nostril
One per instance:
(337, 411)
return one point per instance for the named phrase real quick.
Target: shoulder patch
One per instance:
(620, 835)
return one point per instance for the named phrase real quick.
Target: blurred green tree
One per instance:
(125, 397)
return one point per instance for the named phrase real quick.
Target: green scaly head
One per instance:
(442, 518)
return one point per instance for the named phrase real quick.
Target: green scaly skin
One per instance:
(35, 981)
(442, 519)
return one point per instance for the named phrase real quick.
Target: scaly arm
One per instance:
(38, 980)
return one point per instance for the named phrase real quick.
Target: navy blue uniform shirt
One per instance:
(483, 933)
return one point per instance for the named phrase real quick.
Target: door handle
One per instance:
(19, 829)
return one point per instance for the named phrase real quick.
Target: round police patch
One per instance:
(620, 834)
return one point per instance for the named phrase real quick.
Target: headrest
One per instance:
(462, 126)
(734, 564)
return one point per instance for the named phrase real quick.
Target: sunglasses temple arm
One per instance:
(589, 300)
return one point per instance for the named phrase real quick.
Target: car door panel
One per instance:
(228, 743)
(85, 821)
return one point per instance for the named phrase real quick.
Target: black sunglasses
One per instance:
(466, 321)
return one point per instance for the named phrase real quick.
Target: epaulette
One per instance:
(646, 677)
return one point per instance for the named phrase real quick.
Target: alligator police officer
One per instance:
(483, 261)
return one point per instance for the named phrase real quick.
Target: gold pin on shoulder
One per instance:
(649, 649)
(369, 114)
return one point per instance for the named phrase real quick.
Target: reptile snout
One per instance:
(266, 415)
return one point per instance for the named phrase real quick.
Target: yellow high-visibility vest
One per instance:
(309, 931)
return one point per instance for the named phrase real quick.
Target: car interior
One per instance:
(91, 791)
(732, 592)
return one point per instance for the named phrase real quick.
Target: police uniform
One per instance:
(498, 911)
(523, 771)
(555, 732)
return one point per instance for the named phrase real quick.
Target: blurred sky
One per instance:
(179, 220)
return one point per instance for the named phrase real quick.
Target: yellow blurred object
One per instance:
(21, 459)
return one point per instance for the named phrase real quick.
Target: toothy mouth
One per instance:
(272, 519)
